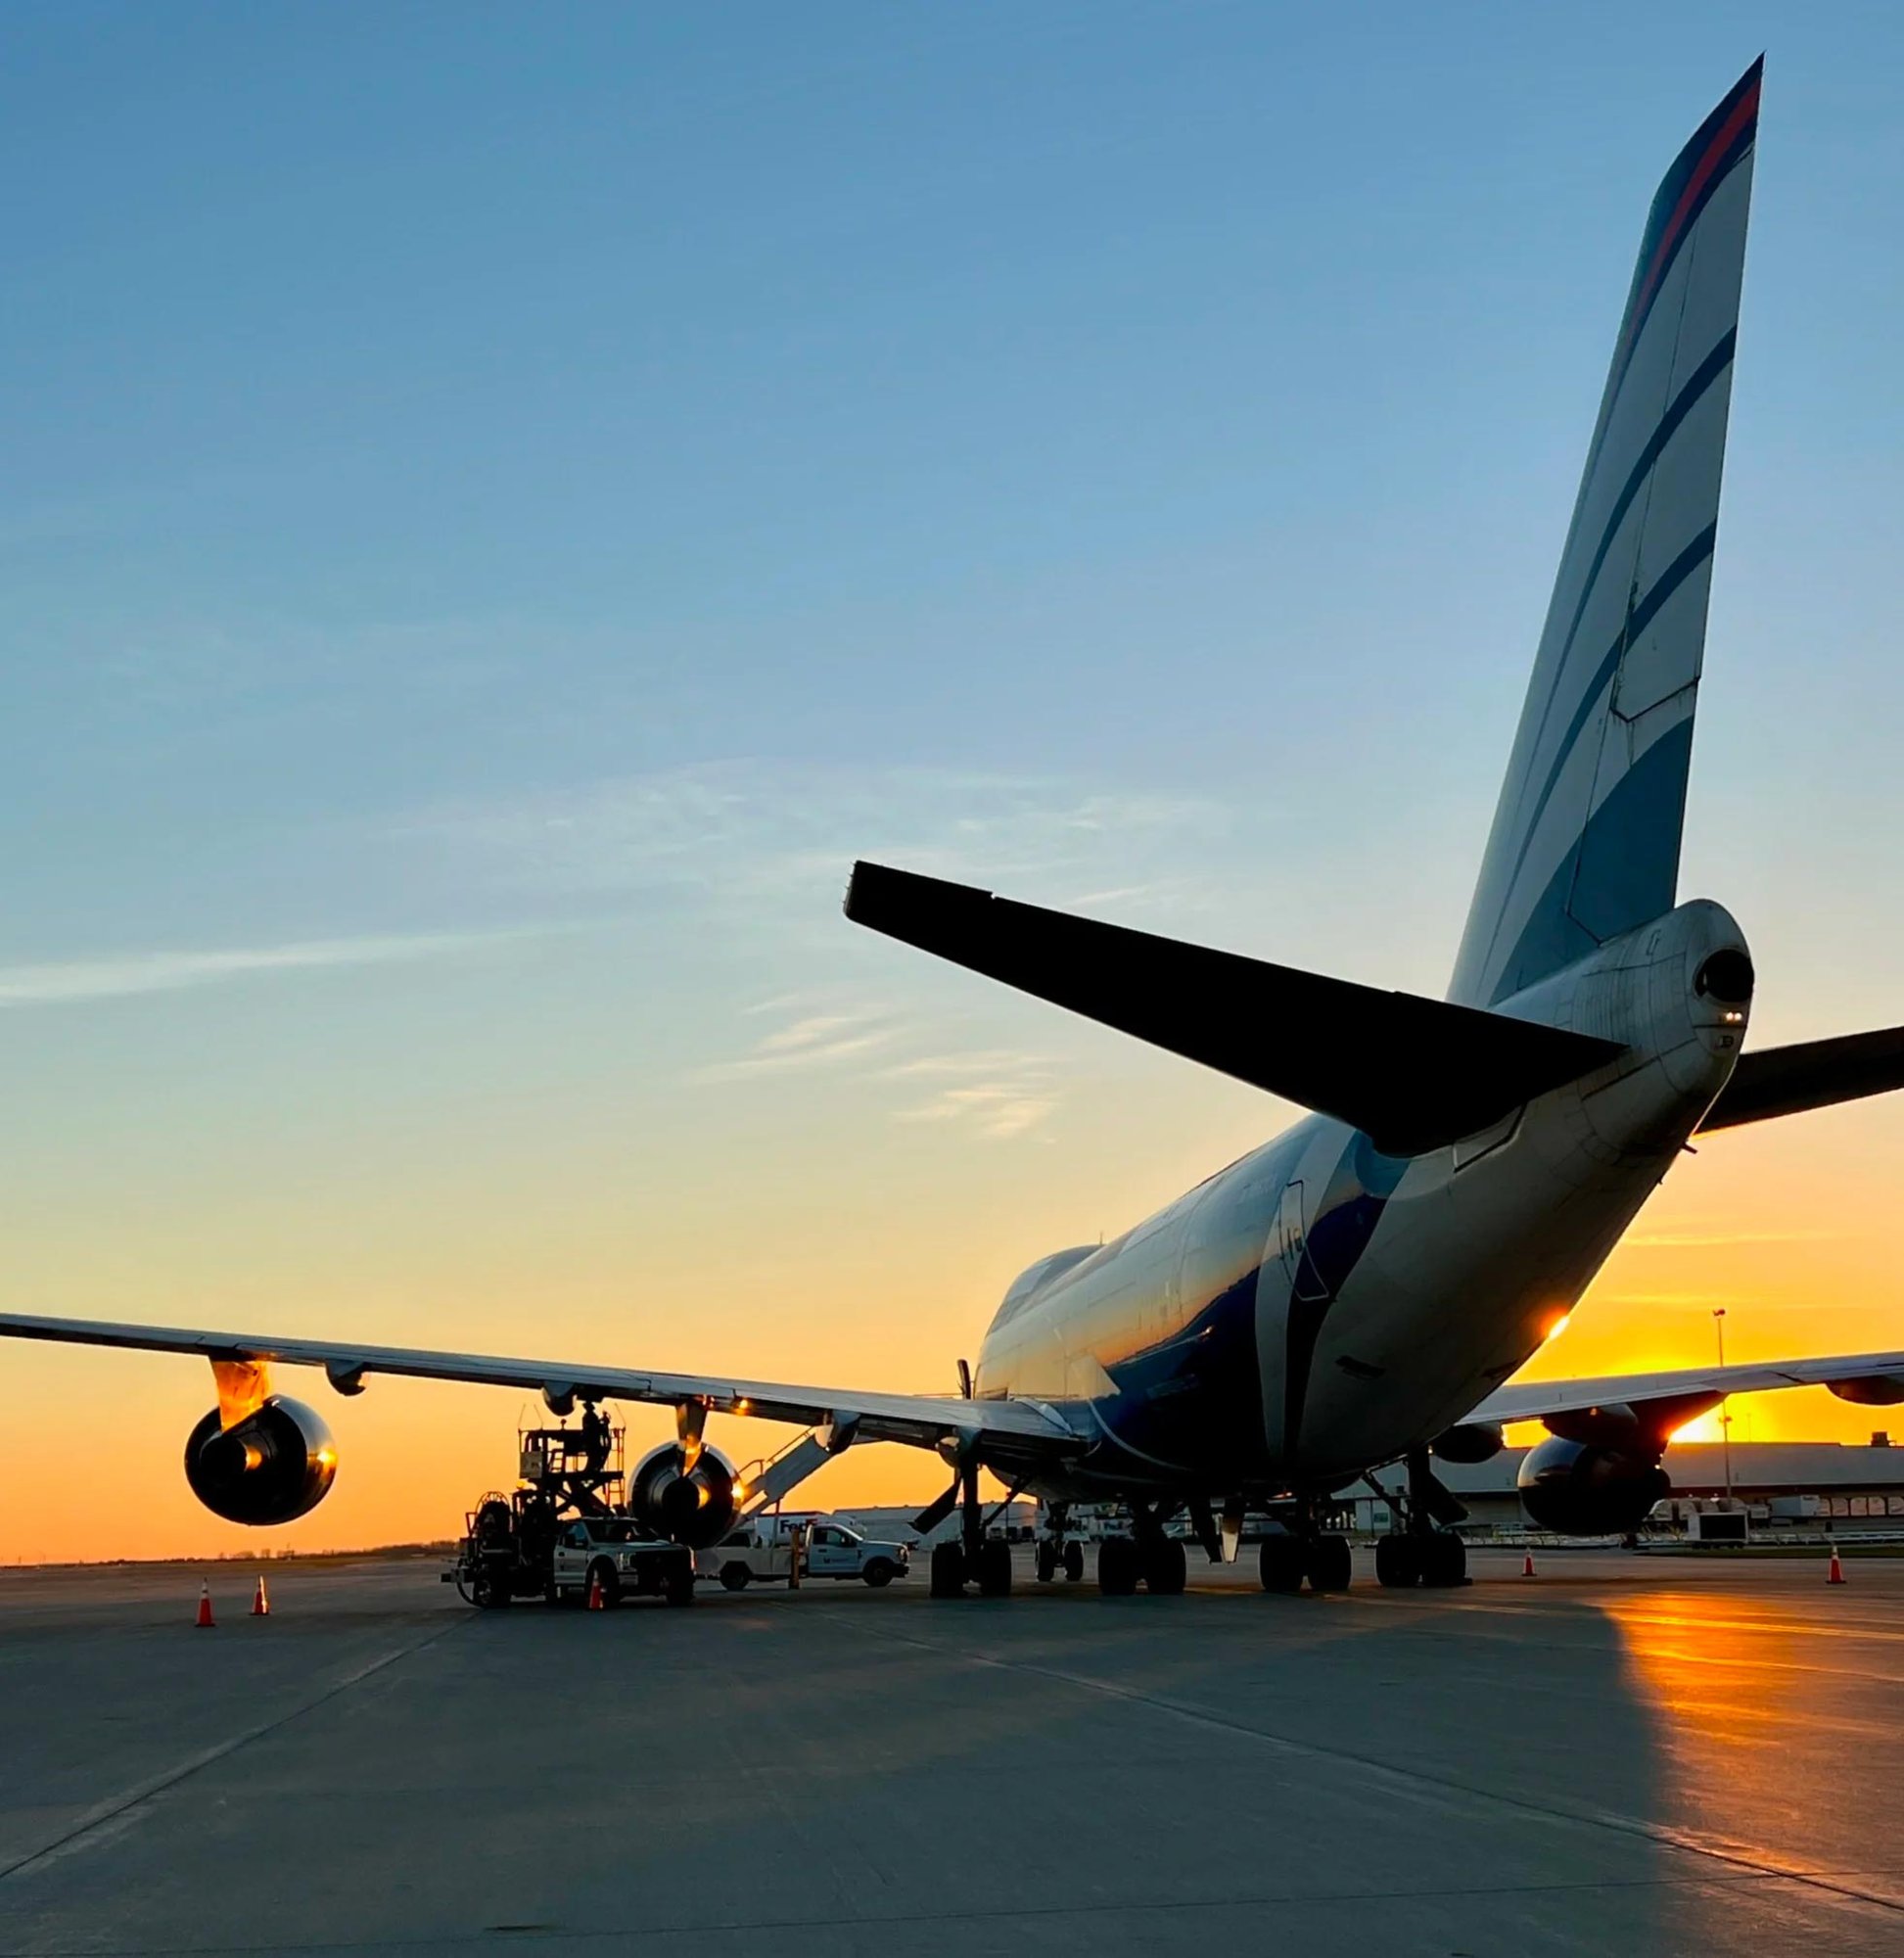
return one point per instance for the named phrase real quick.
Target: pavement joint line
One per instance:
(114, 1806)
(1662, 1836)
(966, 1914)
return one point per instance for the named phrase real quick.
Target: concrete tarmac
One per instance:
(1624, 1755)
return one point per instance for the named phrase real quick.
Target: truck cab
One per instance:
(617, 1555)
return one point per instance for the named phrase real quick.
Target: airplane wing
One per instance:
(1016, 1428)
(1663, 1401)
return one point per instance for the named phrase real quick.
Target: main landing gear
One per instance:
(1149, 1556)
(1422, 1552)
(1289, 1557)
(971, 1557)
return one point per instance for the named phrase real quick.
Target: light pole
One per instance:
(1725, 1419)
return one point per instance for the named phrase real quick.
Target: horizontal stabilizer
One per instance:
(1789, 1079)
(1413, 1074)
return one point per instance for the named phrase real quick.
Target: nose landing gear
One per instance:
(1058, 1554)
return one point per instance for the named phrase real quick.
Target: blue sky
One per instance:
(504, 507)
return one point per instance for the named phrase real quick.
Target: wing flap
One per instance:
(1414, 1074)
(920, 1421)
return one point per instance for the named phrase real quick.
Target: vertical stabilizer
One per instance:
(1585, 843)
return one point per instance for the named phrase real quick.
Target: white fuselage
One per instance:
(1317, 1309)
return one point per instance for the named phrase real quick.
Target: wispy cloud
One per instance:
(768, 833)
(992, 1093)
(815, 1040)
(125, 974)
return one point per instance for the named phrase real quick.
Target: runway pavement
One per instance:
(1622, 1755)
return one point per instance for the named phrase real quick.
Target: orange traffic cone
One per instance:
(1835, 1575)
(595, 1593)
(207, 1622)
(1527, 1565)
(260, 1604)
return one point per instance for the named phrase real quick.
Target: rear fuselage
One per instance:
(1318, 1308)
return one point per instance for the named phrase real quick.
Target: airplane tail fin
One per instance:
(1586, 837)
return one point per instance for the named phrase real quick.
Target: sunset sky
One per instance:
(502, 508)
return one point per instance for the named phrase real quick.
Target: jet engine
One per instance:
(687, 1499)
(273, 1466)
(1588, 1489)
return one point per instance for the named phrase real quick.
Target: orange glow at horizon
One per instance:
(875, 1265)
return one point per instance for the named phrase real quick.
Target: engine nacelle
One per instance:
(1583, 1489)
(274, 1466)
(1471, 1441)
(692, 1505)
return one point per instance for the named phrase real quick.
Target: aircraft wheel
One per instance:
(948, 1570)
(1117, 1567)
(1282, 1558)
(1443, 1561)
(1329, 1563)
(1046, 1565)
(1074, 1562)
(1165, 1568)
(1398, 1561)
(994, 1569)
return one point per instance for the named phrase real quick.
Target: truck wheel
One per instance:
(679, 1588)
(881, 1573)
(491, 1593)
(604, 1573)
(735, 1576)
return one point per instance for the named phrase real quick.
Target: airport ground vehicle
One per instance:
(516, 1547)
(762, 1552)
(563, 1532)
(1360, 1291)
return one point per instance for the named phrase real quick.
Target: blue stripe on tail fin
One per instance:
(1585, 843)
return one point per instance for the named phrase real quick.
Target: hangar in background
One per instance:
(1855, 1485)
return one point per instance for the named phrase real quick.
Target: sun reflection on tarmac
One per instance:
(1770, 1715)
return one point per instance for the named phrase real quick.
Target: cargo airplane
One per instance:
(1356, 1295)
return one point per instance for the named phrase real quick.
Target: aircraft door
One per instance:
(1305, 1281)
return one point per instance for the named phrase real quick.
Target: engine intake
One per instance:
(692, 1505)
(276, 1465)
(1586, 1489)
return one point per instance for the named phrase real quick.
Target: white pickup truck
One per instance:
(620, 1556)
(762, 1552)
